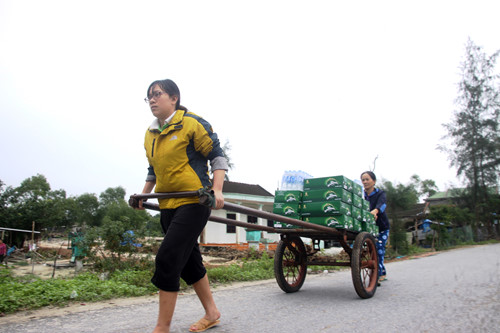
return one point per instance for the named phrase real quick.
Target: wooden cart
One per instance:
(292, 257)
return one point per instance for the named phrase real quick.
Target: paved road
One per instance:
(453, 291)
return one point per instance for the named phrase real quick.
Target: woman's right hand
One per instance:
(140, 206)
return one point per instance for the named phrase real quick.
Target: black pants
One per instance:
(179, 254)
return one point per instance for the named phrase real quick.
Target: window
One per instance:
(251, 219)
(230, 229)
(270, 223)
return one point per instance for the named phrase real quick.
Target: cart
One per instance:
(292, 257)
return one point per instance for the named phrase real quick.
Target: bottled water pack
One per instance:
(293, 180)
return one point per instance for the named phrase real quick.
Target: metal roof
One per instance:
(19, 230)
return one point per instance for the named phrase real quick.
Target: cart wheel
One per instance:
(364, 265)
(290, 264)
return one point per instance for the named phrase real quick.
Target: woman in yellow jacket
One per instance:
(179, 145)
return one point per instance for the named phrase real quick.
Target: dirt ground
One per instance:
(43, 266)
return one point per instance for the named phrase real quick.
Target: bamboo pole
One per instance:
(32, 247)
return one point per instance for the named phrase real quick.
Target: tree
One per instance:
(425, 188)
(473, 131)
(226, 149)
(109, 243)
(6, 211)
(84, 210)
(112, 195)
(399, 197)
(33, 201)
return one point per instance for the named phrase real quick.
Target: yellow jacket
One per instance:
(179, 154)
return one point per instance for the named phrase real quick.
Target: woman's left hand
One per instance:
(219, 199)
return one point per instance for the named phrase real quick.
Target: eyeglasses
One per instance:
(156, 95)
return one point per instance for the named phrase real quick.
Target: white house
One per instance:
(252, 196)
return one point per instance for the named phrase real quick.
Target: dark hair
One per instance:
(170, 88)
(369, 173)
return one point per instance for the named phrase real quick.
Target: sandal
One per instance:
(382, 278)
(204, 324)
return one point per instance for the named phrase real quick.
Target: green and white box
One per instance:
(327, 208)
(357, 201)
(340, 221)
(356, 213)
(365, 204)
(327, 195)
(287, 196)
(374, 229)
(357, 189)
(368, 227)
(367, 216)
(328, 182)
(357, 226)
(287, 209)
(281, 225)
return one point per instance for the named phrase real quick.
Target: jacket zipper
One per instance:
(153, 148)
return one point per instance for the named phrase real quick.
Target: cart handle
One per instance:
(205, 194)
(207, 198)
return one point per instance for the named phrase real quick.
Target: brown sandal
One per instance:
(204, 324)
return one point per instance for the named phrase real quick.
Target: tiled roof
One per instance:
(242, 188)
(451, 193)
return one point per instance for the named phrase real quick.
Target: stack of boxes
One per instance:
(289, 204)
(329, 201)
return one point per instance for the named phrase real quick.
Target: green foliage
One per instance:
(84, 210)
(109, 245)
(399, 196)
(112, 196)
(398, 239)
(152, 226)
(474, 130)
(473, 133)
(31, 292)
(226, 149)
(450, 215)
(425, 188)
(16, 295)
(250, 270)
(33, 201)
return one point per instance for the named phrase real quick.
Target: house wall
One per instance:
(217, 233)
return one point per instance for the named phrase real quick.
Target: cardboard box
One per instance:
(287, 209)
(288, 196)
(356, 213)
(357, 189)
(367, 217)
(365, 204)
(327, 195)
(281, 225)
(357, 226)
(340, 221)
(327, 208)
(368, 227)
(328, 182)
(357, 201)
(373, 229)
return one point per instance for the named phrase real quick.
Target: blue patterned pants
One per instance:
(382, 239)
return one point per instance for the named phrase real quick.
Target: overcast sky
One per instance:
(319, 86)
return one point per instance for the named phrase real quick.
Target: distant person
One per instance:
(378, 204)
(3, 251)
(179, 144)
